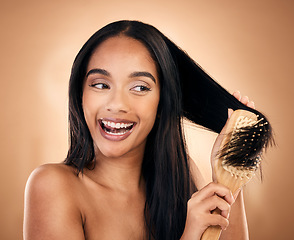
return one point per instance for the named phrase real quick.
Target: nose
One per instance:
(117, 102)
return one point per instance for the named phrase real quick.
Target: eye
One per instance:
(141, 88)
(100, 85)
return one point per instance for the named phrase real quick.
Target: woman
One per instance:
(127, 174)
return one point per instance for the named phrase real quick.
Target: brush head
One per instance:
(247, 136)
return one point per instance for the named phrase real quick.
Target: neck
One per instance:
(123, 174)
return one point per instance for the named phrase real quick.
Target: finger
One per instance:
(244, 100)
(215, 188)
(220, 137)
(230, 112)
(237, 95)
(251, 104)
(216, 219)
(236, 193)
(219, 203)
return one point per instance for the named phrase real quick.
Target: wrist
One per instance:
(190, 234)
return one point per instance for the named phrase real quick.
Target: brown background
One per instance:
(245, 45)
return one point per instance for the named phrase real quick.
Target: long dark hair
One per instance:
(186, 91)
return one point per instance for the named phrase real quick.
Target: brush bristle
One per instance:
(246, 143)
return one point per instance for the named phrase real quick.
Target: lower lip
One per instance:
(111, 137)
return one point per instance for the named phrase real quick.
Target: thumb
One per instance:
(230, 112)
(220, 137)
(217, 143)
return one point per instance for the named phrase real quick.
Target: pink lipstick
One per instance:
(115, 129)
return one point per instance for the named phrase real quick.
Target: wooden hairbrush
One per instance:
(246, 136)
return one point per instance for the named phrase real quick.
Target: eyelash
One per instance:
(105, 86)
(142, 88)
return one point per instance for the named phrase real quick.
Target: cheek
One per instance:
(89, 108)
(85, 106)
(149, 111)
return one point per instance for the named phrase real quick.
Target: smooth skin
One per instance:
(108, 201)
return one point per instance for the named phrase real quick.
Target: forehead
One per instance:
(122, 50)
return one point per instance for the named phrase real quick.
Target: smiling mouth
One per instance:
(116, 128)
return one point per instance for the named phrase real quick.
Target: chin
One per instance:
(123, 149)
(111, 152)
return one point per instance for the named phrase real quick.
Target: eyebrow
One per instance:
(99, 71)
(143, 74)
(134, 74)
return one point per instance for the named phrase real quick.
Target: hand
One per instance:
(245, 100)
(199, 215)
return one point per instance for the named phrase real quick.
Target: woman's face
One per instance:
(120, 97)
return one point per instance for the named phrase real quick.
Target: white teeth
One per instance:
(117, 125)
(118, 133)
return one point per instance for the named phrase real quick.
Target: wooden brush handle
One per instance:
(212, 232)
(234, 184)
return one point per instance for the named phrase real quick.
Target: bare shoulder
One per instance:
(50, 179)
(51, 208)
(51, 174)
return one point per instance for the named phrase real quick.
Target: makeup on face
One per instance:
(121, 95)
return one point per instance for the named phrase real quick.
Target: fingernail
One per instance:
(236, 193)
